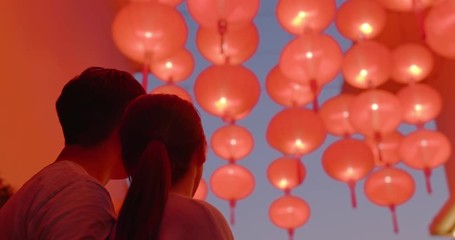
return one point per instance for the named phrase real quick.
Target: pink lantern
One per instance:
(390, 187)
(360, 19)
(234, 47)
(286, 92)
(223, 15)
(348, 160)
(232, 182)
(300, 16)
(201, 192)
(172, 89)
(411, 63)
(227, 91)
(440, 29)
(295, 131)
(175, 68)
(367, 64)
(289, 212)
(425, 150)
(386, 151)
(232, 142)
(375, 113)
(335, 115)
(420, 103)
(408, 5)
(286, 173)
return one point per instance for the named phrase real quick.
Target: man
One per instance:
(67, 199)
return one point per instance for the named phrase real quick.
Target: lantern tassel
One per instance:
(232, 204)
(427, 172)
(291, 233)
(394, 218)
(351, 185)
(314, 90)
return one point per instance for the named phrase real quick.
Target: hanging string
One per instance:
(299, 171)
(232, 204)
(420, 18)
(222, 29)
(146, 69)
(427, 172)
(378, 141)
(314, 90)
(394, 218)
(351, 185)
(291, 233)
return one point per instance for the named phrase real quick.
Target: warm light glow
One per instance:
(298, 20)
(233, 142)
(388, 179)
(299, 144)
(168, 65)
(309, 55)
(362, 76)
(345, 114)
(366, 28)
(374, 106)
(221, 104)
(283, 183)
(418, 107)
(350, 171)
(296, 86)
(415, 70)
(148, 34)
(424, 143)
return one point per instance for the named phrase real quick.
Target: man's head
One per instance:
(91, 105)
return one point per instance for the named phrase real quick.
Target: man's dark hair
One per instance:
(91, 105)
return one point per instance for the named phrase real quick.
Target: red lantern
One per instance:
(175, 68)
(227, 91)
(295, 131)
(300, 16)
(286, 92)
(232, 142)
(440, 29)
(289, 212)
(360, 19)
(386, 151)
(348, 160)
(425, 150)
(234, 47)
(408, 5)
(335, 115)
(390, 187)
(232, 182)
(367, 64)
(286, 173)
(375, 113)
(172, 3)
(420, 103)
(411, 63)
(201, 192)
(172, 89)
(223, 15)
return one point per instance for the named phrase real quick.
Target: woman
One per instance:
(164, 149)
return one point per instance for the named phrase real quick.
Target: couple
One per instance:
(114, 130)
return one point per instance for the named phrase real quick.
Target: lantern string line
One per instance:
(351, 185)
(314, 90)
(420, 18)
(378, 141)
(427, 172)
(291, 233)
(222, 29)
(232, 204)
(394, 218)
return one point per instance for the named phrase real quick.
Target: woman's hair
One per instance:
(159, 134)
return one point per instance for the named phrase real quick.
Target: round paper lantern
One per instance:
(172, 89)
(286, 92)
(227, 91)
(176, 68)
(311, 57)
(367, 64)
(289, 212)
(335, 115)
(407, 5)
(201, 192)
(232, 182)
(375, 112)
(223, 15)
(385, 150)
(142, 30)
(301, 16)
(232, 142)
(295, 131)
(234, 47)
(348, 160)
(360, 19)
(420, 103)
(412, 62)
(286, 173)
(390, 187)
(425, 150)
(440, 29)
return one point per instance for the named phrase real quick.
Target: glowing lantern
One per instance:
(295, 131)
(232, 142)
(407, 5)
(227, 91)
(286, 92)
(300, 16)
(360, 19)
(201, 192)
(232, 182)
(367, 64)
(411, 63)
(440, 29)
(335, 115)
(375, 113)
(390, 187)
(420, 103)
(172, 89)
(348, 160)
(289, 212)
(223, 15)
(175, 68)
(286, 173)
(424, 150)
(386, 151)
(235, 47)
